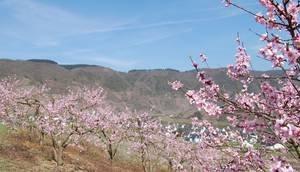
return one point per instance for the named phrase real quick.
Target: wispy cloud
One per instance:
(91, 56)
(157, 37)
(115, 62)
(168, 23)
(47, 25)
(211, 9)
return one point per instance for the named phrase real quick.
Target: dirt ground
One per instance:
(21, 153)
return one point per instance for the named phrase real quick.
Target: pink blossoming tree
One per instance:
(17, 102)
(146, 136)
(110, 128)
(65, 117)
(272, 112)
(8, 99)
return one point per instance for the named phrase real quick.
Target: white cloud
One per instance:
(91, 56)
(44, 25)
(115, 62)
(168, 23)
(156, 37)
(47, 25)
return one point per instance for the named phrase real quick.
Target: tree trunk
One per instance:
(58, 155)
(110, 151)
(170, 166)
(143, 161)
(111, 165)
(41, 138)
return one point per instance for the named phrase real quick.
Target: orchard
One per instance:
(256, 119)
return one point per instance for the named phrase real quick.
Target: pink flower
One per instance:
(297, 42)
(264, 37)
(227, 3)
(279, 165)
(203, 57)
(176, 85)
(240, 69)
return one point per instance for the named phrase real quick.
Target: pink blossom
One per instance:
(242, 65)
(203, 57)
(176, 85)
(279, 165)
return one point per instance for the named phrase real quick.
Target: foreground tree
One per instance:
(17, 102)
(146, 137)
(108, 128)
(65, 117)
(272, 113)
(8, 99)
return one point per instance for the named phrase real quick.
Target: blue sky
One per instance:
(126, 34)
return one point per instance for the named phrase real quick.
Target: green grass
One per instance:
(5, 165)
(3, 130)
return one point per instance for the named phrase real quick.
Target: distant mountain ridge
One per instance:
(70, 66)
(137, 89)
(42, 61)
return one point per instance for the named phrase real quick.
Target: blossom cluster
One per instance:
(272, 112)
